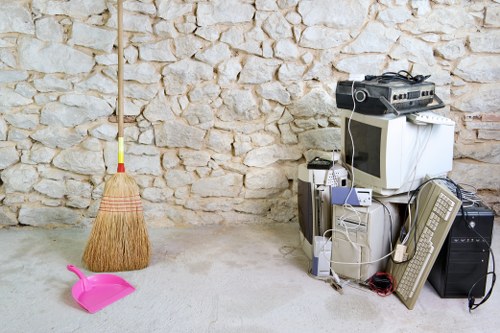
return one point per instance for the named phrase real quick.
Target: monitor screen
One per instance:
(367, 144)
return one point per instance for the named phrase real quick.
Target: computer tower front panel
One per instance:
(464, 257)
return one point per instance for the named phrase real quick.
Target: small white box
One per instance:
(322, 248)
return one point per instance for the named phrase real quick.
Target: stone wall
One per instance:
(225, 98)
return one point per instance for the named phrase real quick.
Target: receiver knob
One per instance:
(360, 95)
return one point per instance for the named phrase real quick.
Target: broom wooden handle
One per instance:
(121, 144)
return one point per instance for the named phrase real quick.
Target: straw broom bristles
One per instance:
(119, 238)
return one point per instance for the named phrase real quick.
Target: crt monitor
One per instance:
(392, 155)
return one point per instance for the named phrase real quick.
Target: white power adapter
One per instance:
(322, 249)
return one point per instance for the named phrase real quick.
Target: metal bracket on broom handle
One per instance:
(121, 144)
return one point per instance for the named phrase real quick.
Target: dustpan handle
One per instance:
(120, 114)
(80, 274)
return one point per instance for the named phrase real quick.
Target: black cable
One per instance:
(471, 299)
(402, 75)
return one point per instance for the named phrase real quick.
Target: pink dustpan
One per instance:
(98, 291)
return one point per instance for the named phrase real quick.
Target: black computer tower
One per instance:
(463, 259)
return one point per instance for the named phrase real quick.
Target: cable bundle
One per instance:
(382, 283)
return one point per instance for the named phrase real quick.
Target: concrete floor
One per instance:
(211, 279)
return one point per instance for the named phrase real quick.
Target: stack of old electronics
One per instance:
(388, 215)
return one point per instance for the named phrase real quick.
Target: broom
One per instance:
(119, 238)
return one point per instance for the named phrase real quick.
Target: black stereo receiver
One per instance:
(376, 97)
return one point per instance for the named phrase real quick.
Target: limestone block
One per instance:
(285, 4)
(257, 207)
(187, 46)
(22, 120)
(178, 75)
(178, 178)
(344, 14)
(158, 51)
(204, 93)
(224, 11)
(7, 217)
(57, 136)
(258, 70)
(288, 136)
(277, 27)
(200, 115)
(375, 37)
(291, 72)
(220, 141)
(414, 50)
(52, 57)
(274, 91)
(361, 64)
(482, 175)
(266, 5)
(169, 159)
(147, 137)
(209, 33)
(485, 98)
(488, 152)
(479, 68)
(155, 194)
(172, 10)
(8, 57)
(394, 15)
(25, 89)
(233, 36)
(228, 71)
(8, 157)
(215, 54)
(241, 105)
(266, 178)
(319, 37)
(3, 130)
(131, 22)
(41, 154)
(104, 131)
(48, 216)
(51, 82)
(142, 72)
(9, 97)
(93, 37)
(286, 49)
(316, 102)
(141, 91)
(486, 41)
(451, 50)
(73, 8)
(492, 16)
(177, 134)
(444, 20)
(19, 178)
(158, 109)
(229, 185)
(145, 8)
(324, 139)
(265, 156)
(80, 161)
(98, 82)
(194, 158)
(13, 76)
(15, 17)
(51, 188)
(74, 109)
